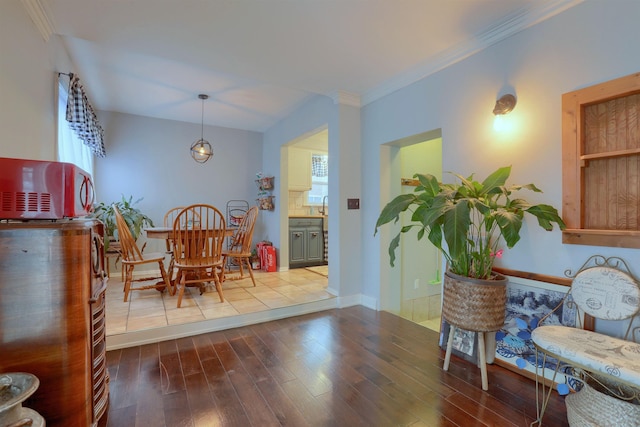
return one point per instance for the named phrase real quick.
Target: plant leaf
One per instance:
(393, 209)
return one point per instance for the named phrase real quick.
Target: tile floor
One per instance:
(152, 309)
(433, 324)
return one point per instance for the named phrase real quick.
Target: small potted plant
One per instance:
(467, 221)
(134, 217)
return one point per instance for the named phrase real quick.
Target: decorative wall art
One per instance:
(528, 301)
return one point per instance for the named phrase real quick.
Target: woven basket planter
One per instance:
(591, 408)
(474, 304)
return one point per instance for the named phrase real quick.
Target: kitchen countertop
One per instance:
(306, 216)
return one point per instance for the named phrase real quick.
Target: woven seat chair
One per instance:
(133, 256)
(197, 248)
(608, 366)
(240, 247)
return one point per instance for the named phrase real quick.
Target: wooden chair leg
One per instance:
(128, 280)
(250, 270)
(182, 276)
(239, 261)
(171, 279)
(165, 278)
(218, 282)
(223, 268)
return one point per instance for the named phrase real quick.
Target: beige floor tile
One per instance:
(146, 323)
(149, 308)
(176, 313)
(433, 324)
(199, 317)
(272, 280)
(145, 312)
(249, 305)
(237, 295)
(115, 324)
(222, 311)
(263, 292)
(277, 302)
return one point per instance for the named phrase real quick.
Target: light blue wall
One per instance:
(312, 115)
(344, 127)
(149, 158)
(593, 42)
(419, 261)
(590, 43)
(28, 66)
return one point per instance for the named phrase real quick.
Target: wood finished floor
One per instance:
(342, 367)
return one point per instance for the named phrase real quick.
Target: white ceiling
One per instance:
(259, 60)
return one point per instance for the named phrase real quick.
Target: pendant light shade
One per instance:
(201, 150)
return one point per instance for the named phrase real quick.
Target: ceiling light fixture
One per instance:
(201, 150)
(504, 105)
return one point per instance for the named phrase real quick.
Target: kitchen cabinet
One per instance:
(299, 169)
(306, 242)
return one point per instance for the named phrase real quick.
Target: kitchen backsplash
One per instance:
(297, 206)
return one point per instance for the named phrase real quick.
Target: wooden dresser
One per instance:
(52, 307)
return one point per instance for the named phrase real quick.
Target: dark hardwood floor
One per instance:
(343, 367)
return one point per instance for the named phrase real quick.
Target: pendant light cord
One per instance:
(203, 97)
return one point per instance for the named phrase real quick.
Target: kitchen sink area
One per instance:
(308, 178)
(306, 240)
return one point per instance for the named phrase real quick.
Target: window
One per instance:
(319, 179)
(601, 164)
(71, 149)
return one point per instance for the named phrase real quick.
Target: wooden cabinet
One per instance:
(601, 164)
(299, 169)
(52, 306)
(306, 242)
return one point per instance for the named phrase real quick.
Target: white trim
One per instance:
(510, 25)
(38, 14)
(346, 98)
(370, 302)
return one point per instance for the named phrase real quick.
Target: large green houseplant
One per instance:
(134, 217)
(471, 217)
(467, 221)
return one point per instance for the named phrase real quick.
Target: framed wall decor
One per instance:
(465, 343)
(528, 301)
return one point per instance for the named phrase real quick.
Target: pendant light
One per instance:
(201, 150)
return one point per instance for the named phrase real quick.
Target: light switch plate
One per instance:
(353, 203)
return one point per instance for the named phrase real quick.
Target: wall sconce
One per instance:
(504, 105)
(201, 150)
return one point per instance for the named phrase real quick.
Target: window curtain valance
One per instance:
(82, 118)
(319, 165)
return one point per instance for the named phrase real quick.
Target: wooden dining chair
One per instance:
(240, 247)
(169, 217)
(197, 248)
(132, 256)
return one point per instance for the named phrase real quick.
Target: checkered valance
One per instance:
(82, 119)
(319, 165)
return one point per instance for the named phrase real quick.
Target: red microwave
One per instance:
(34, 189)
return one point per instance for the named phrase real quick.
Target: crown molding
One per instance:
(346, 98)
(38, 14)
(510, 25)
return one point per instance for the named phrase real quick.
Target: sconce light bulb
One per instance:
(499, 123)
